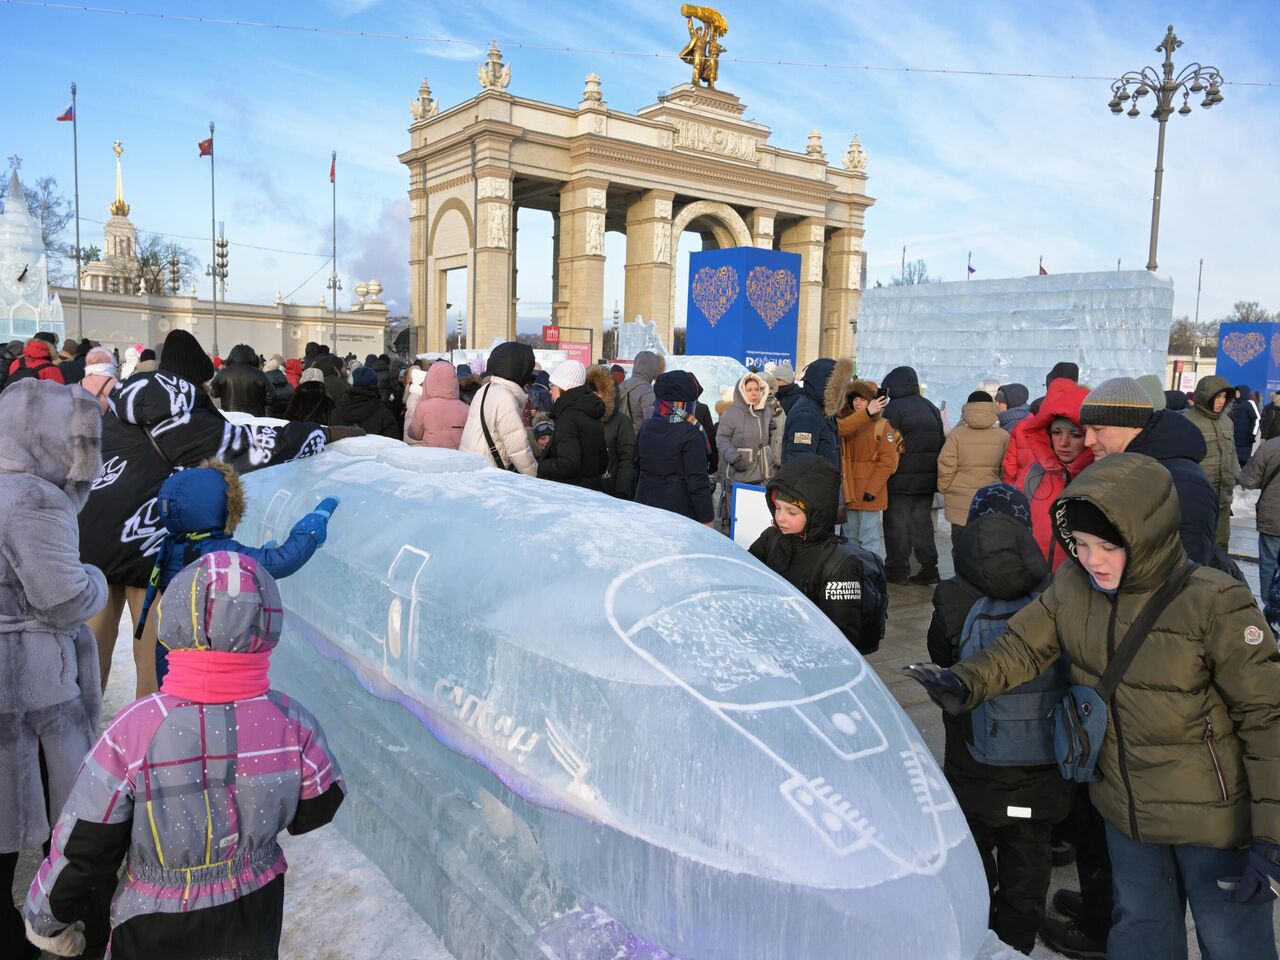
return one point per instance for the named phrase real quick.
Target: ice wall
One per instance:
(1113, 323)
(579, 728)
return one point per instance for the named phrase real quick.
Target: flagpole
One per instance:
(333, 275)
(213, 240)
(75, 167)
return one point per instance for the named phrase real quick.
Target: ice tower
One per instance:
(25, 305)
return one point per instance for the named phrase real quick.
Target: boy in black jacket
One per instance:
(844, 581)
(1010, 809)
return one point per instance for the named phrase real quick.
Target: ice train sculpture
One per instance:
(582, 729)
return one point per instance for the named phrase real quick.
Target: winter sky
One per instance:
(1009, 168)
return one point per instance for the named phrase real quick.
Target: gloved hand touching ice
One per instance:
(316, 523)
(944, 687)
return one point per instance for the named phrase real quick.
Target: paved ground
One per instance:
(339, 906)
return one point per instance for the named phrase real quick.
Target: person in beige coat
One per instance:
(970, 458)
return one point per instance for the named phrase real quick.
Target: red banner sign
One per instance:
(551, 335)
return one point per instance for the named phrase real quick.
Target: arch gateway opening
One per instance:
(689, 162)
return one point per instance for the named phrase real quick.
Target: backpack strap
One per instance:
(1138, 630)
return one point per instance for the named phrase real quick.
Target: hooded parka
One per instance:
(869, 451)
(440, 416)
(745, 435)
(241, 385)
(970, 458)
(1220, 463)
(637, 390)
(500, 405)
(810, 425)
(1192, 748)
(919, 424)
(49, 688)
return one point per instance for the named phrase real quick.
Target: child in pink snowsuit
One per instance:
(193, 783)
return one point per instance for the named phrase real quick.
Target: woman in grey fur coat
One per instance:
(50, 438)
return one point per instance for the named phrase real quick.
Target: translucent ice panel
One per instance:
(579, 728)
(1113, 323)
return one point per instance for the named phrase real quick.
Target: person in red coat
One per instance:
(37, 357)
(1055, 441)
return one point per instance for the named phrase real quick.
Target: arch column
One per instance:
(806, 237)
(494, 289)
(581, 260)
(650, 257)
(843, 291)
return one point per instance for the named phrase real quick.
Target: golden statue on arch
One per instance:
(703, 50)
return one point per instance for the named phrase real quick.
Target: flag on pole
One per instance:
(1043, 271)
(333, 166)
(206, 147)
(971, 268)
(68, 114)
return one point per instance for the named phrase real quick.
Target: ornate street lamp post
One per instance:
(1193, 79)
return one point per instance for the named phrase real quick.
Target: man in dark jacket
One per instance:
(578, 453)
(908, 524)
(788, 392)
(811, 425)
(1271, 418)
(1245, 418)
(241, 385)
(619, 479)
(361, 406)
(281, 391)
(997, 556)
(1118, 417)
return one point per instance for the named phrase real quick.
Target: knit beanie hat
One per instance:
(1000, 498)
(1081, 516)
(569, 374)
(1155, 389)
(312, 375)
(1118, 402)
(364, 376)
(784, 373)
(1063, 371)
(788, 498)
(544, 429)
(979, 396)
(183, 356)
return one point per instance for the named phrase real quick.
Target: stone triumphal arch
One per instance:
(688, 162)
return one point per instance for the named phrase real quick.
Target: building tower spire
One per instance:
(119, 208)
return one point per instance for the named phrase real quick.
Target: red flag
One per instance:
(206, 147)
(333, 166)
(1043, 271)
(68, 114)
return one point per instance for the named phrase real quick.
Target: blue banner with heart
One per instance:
(1249, 354)
(744, 303)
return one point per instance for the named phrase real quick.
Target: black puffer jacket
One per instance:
(578, 453)
(815, 562)
(920, 425)
(995, 556)
(363, 407)
(282, 393)
(120, 528)
(241, 385)
(671, 454)
(1179, 445)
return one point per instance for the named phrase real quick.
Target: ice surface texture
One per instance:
(579, 728)
(1113, 324)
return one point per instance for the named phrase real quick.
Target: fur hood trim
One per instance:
(235, 493)
(834, 396)
(601, 381)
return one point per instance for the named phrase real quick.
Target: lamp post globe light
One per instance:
(1165, 86)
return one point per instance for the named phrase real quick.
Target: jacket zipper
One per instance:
(1213, 755)
(1115, 718)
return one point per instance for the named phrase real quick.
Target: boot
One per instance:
(926, 576)
(1070, 941)
(1069, 903)
(898, 576)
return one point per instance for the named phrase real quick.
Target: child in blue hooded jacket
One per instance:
(201, 508)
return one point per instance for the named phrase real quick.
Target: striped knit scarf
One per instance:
(673, 412)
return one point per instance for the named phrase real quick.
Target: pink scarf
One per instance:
(215, 676)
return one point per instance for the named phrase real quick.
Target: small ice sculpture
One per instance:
(955, 335)
(637, 336)
(580, 728)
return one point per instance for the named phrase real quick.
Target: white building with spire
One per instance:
(25, 304)
(118, 270)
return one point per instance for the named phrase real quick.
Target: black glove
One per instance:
(944, 687)
(1261, 876)
(869, 498)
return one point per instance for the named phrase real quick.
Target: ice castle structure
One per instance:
(955, 335)
(577, 728)
(26, 308)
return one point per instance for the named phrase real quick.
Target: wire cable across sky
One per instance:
(556, 48)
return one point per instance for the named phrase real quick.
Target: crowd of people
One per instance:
(1109, 682)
